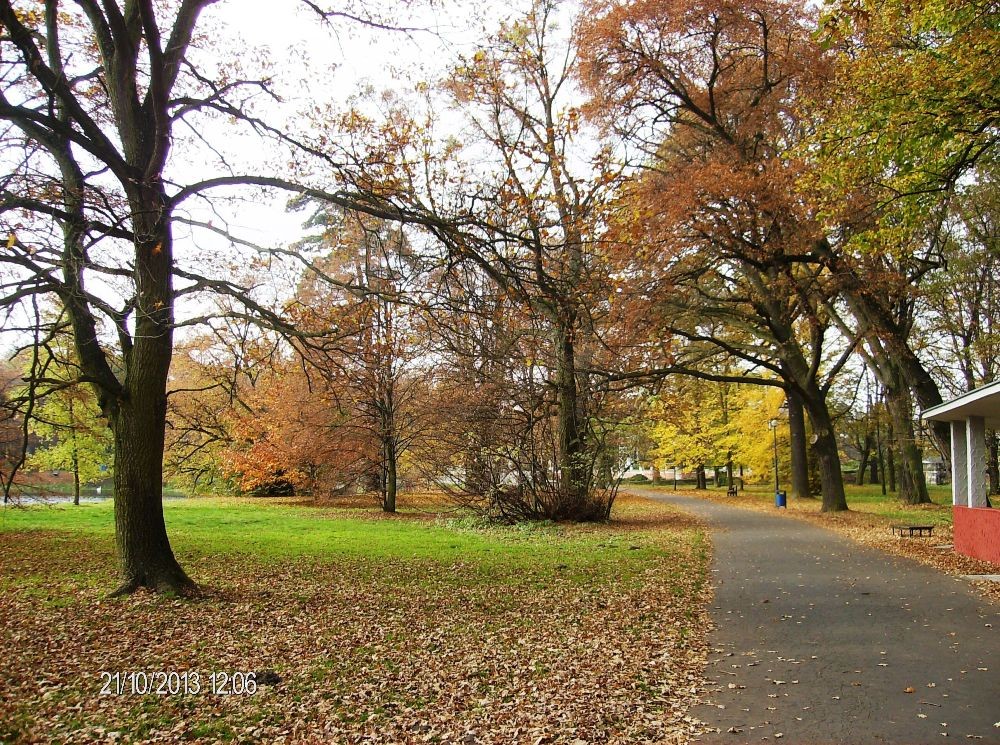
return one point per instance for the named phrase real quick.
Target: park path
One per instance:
(819, 640)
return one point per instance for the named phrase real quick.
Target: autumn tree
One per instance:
(213, 377)
(519, 193)
(286, 437)
(493, 444)
(719, 245)
(915, 104)
(963, 298)
(373, 365)
(100, 99)
(909, 114)
(689, 430)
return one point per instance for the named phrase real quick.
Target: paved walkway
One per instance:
(821, 641)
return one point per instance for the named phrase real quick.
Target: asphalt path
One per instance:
(819, 640)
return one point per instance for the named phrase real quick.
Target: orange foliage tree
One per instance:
(719, 245)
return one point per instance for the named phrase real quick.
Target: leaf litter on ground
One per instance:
(385, 650)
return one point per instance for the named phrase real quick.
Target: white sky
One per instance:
(315, 64)
(311, 63)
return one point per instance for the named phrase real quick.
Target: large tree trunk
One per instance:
(827, 454)
(926, 393)
(889, 470)
(137, 415)
(140, 532)
(909, 459)
(797, 442)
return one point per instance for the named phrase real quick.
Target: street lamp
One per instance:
(773, 424)
(780, 499)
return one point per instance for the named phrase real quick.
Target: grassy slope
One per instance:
(377, 626)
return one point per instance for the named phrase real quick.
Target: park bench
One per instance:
(731, 492)
(912, 530)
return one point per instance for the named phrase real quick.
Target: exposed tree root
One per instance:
(182, 586)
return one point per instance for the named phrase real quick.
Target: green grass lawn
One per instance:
(274, 530)
(378, 626)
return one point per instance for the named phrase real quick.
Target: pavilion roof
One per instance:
(984, 402)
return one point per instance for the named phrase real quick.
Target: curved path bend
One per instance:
(819, 640)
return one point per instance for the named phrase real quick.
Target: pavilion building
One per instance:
(976, 521)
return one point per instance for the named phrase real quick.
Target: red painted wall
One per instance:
(977, 532)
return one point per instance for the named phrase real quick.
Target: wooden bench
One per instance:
(913, 530)
(731, 491)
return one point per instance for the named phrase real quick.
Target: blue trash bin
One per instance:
(780, 499)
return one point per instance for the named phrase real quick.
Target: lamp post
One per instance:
(773, 424)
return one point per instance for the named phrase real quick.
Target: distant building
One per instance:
(936, 471)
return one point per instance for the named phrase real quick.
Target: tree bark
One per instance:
(797, 443)
(573, 483)
(993, 461)
(866, 458)
(827, 455)
(890, 463)
(701, 480)
(391, 485)
(76, 473)
(137, 415)
(144, 551)
(74, 455)
(909, 466)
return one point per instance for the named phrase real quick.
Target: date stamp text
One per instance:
(176, 683)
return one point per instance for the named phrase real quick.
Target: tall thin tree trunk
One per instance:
(76, 472)
(572, 479)
(866, 459)
(74, 455)
(993, 461)
(391, 485)
(889, 472)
